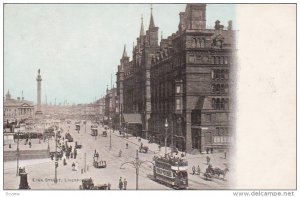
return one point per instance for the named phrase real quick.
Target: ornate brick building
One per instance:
(190, 75)
(133, 80)
(190, 83)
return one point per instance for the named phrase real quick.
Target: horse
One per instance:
(219, 172)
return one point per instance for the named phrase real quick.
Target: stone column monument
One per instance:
(39, 98)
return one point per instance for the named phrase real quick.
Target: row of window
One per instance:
(198, 42)
(167, 105)
(219, 88)
(220, 74)
(220, 60)
(221, 131)
(220, 103)
(222, 139)
(215, 117)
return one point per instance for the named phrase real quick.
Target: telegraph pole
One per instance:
(56, 162)
(18, 153)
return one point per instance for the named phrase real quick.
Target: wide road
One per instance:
(41, 173)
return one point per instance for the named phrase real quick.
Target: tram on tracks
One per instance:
(171, 171)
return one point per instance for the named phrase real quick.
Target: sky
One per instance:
(78, 46)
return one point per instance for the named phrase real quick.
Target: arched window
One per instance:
(217, 103)
(212, 74)
(217, 60)
(218, 88)
(194, 42)
(222, 88)
(221, 60)
(202, 43)
(226, 73)
(213, 103)
(222, 74)
(226, 104)
(213, 88)
(225, 60)
(198, 43)
(222, 104)
(217, 74)
(226, 89)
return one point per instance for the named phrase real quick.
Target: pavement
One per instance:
(41, 172)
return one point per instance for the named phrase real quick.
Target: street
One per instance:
(41, 171)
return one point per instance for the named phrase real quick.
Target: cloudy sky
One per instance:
(78, 46)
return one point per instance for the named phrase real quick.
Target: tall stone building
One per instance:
(133, 80)
(186, 79)
(191, 83)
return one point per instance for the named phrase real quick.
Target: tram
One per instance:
(171, 171)
(94, 130)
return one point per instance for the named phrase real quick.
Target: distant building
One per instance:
(17, 109)
(111, 108)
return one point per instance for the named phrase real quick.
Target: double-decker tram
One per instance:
(171, 171)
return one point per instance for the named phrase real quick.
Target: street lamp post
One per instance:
(56, 162)
(166, 137)
(137, 163)
(18, 152)
(109, 134)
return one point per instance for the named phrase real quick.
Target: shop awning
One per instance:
(132, 118)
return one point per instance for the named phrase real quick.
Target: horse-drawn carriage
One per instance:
(214, 172)
(100, 187)
(88, 184)
(69, 137)
(144, 149)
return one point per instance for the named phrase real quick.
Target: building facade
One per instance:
(17, 109)
(191, 83)
(186, 80)
(133, 80)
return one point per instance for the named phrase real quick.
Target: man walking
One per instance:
(208, 159)
(125, 184)
(193, 169)
(120, 183)
(198, 170)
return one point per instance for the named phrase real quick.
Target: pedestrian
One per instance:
(108, 186)
(207, 159)
(198, 170)
(29, 144)
(207, 150)
(182, 155)
(225, 154)
(211, 150)
(75, 153)
(193, 169)
(120, 183)
(142, 145)
(159, 147)
(65, 162)
(126, 145)
(125, 184)
(120, 153)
